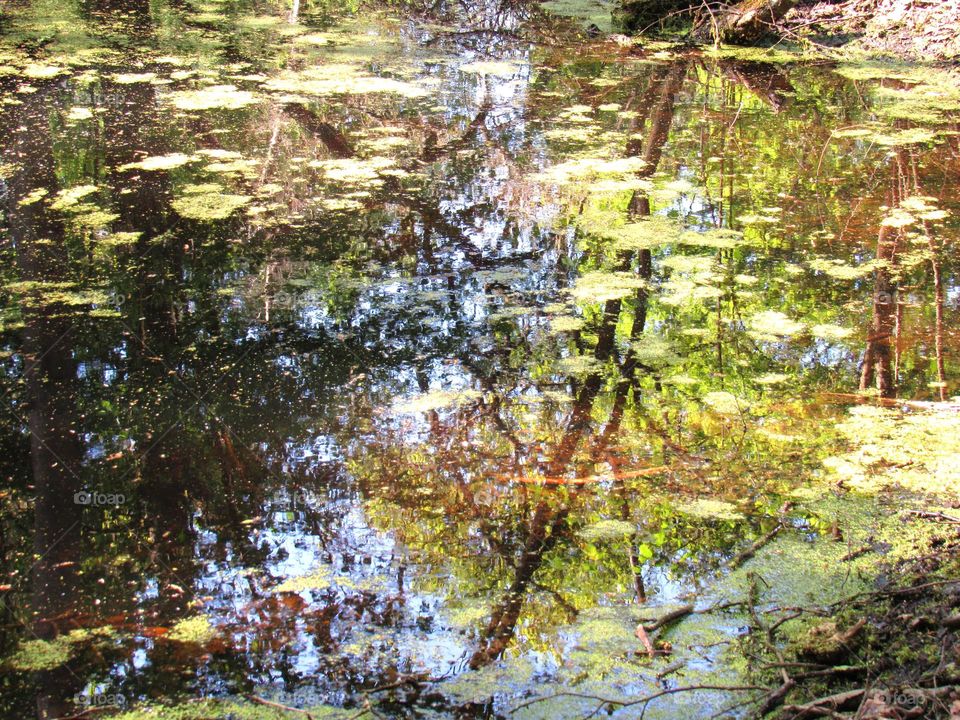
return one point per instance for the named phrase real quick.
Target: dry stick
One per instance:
(643, 700)
(825, 705)
(934, 516)
(278, 706)
(641, 633)
(740, 559)
(668, 618)
(854, 554)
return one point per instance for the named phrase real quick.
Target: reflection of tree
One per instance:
(51, 392)
(549, 519)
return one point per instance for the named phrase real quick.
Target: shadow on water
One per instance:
(350, 359)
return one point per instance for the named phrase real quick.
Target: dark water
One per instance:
(419, 350)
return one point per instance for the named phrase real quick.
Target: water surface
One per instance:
(356, 350)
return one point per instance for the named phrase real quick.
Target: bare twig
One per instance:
(278, 706)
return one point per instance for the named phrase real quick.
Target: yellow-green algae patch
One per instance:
(918, 450)
(319, 579)
(215, 97)
(225, 710)
(159, 162)
(195, 629)
(38, 655)
(208, 202)
(341, 79)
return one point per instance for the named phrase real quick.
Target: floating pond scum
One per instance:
(463, 366)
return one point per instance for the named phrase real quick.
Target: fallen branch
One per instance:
(737, 561)
(775, 698)
(667, 618)
(642, 635)
(825, 706)
(278, 706)
(934, 516)
(854, 554)
(638, 701)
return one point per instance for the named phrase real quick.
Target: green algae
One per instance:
(208, 202)
(33, 197)
(196, 629)
(159, 162)
(565, 324)
(773, 324)
(595, 13)
(320, 579)
(494, 68)
(708, 509)
(607, 530)
(600, 286)
(214, 97)
(38, 655)
(341, 79)
(224, 710)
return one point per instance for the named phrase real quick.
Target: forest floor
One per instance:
(914, 29)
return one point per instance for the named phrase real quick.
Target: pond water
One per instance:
(400, 366)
